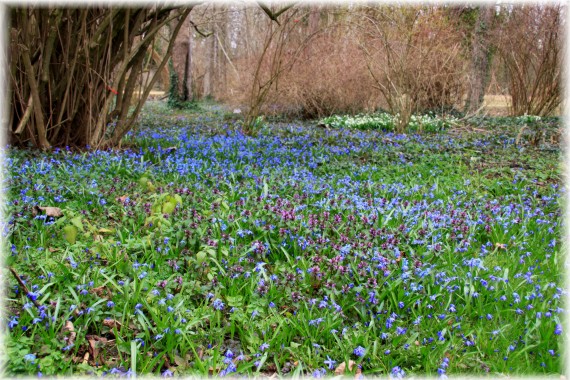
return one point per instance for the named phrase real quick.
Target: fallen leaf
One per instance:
(49, 211)
(180, 361)
(342, 367)
(86, 358)
(68, 327)
(211, 370)
(94, 341)
(111, 323)
(101, 291)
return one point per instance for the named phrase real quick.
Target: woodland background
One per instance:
(80, 76)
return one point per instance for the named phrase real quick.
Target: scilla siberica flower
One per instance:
(218, 304)
(359, 351)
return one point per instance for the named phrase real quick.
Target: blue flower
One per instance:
(397, 373)
(33, 295)
(167, 373)
(30, 358)
(318, 373)
(316, 322)
(217, 304)
(110, 304)
(330, 363)
(263, 347)
(558, 329)
(359, 351)
(13, 322)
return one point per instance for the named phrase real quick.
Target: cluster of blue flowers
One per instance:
(339, 252)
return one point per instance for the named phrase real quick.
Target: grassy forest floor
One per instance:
(195, 249)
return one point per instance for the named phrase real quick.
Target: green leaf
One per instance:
(77, 222)
(168, 207)
(70, 233)
(143, 181)
(201, 257)
(265, 189)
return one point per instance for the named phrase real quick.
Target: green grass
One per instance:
(198, 250)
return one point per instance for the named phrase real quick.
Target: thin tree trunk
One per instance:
(180, 56)
(480, 63)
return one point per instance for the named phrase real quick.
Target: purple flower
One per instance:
(558, 329)
(316, 322)
(110, 304)
(263, 347)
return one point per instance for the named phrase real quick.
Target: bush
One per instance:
(388, 123)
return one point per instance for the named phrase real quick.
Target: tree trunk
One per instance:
(481, 56)
(209, 74)
(180, 61)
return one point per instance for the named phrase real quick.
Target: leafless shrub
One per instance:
(414, 57)
(530, 48)
(330, 78)
(75, 71)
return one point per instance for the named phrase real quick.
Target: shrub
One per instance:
(387, 122)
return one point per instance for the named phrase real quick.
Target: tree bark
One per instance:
(481, 57)
(181, 54)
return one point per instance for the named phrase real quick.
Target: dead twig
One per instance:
(36, 303)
